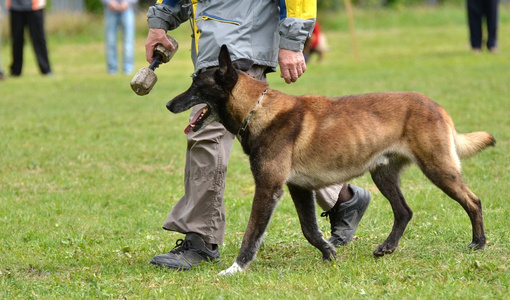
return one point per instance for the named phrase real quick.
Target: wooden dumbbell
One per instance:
(146, 78)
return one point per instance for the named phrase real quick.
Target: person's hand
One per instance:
(156, 36)
(292, 65)
(123, 6)
(113, 5)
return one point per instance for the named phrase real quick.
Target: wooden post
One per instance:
(352, 29)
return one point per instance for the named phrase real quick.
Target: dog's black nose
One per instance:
(169, 105)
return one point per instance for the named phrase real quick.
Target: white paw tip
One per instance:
(235, 268)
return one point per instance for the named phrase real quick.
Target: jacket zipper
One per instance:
(214, 18)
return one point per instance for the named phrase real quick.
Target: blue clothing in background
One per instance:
(120, 21)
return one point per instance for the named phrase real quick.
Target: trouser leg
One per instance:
(1, 66)
(492, 23)
(128, 37)
(110, 31)
(38, 36)
(328, 196)
(474, 11)
(17, 22)
(201, 210)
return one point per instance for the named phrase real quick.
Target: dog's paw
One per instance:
(476, 246)
(330, 256)
(384, 249)
(235, 268)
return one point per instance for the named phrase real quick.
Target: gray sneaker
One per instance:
(345, 217)
(187, 253)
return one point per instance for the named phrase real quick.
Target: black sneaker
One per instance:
(345, 217)
(187, 253)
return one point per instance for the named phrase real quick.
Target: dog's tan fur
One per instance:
(353, 133)
(309, 142)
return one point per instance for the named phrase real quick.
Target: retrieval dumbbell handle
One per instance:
(156, 62)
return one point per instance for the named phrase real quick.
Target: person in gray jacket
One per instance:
(270, 33)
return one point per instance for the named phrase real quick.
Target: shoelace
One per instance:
(331, 215)
(325, 214)
(181, 246)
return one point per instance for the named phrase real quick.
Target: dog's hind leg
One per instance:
(445, 174)
(305, 207)
(387, 180)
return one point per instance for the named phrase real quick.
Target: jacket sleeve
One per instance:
(168, 14)
(297, 19)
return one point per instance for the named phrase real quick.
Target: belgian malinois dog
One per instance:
(310, 142)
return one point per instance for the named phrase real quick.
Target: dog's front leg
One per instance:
(264, 203)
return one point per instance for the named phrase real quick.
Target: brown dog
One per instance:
(310, 142)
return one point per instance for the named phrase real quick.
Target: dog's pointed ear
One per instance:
(224, 57)
(227, 72)
(225, 62)
(242, 64)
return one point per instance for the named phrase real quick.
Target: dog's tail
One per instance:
(468, 144)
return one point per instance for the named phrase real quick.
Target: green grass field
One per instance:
(89, 171)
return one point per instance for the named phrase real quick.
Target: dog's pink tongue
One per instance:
(193, 121)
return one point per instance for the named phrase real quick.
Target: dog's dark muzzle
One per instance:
(183, 102)
(176, 106)
(170, 106)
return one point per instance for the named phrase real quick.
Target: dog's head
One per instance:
(212, 88)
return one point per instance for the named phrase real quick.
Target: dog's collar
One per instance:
(246, 121)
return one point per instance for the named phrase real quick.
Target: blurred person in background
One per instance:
(316, 43)
(28, 13)
(119, 14)
(2, 76)
(478, 10)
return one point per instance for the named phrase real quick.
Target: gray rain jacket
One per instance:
(253, 29)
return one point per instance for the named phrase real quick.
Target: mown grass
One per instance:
(89, 171)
